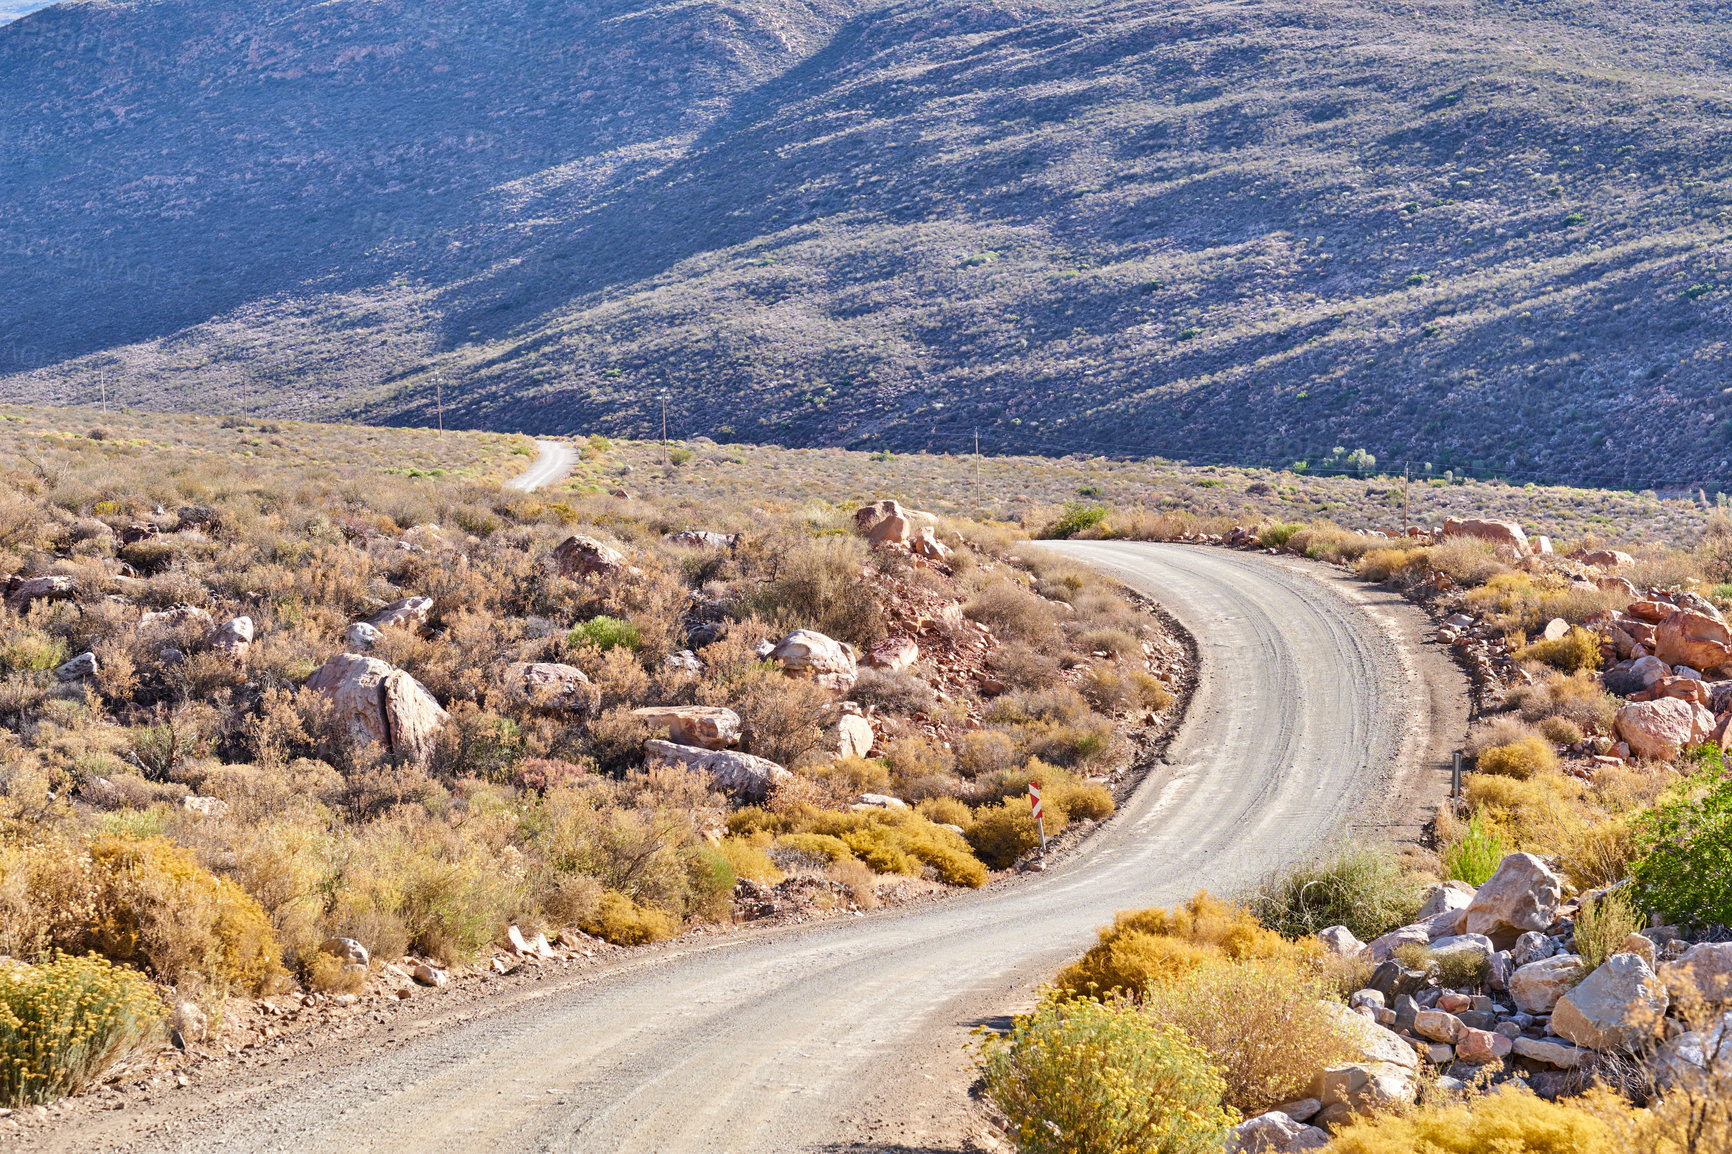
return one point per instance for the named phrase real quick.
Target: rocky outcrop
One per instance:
(378, 703)
(1522, 895)
(1620, 1006)
(705, 726)
(581, 556)
(747, 777)
(550, 685)
(868, 516)
(21, 592)
(811, 656)
(701, 539)
(1504, 534)
(409, 613)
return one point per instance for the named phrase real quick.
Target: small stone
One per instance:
(428, 975)
(84, 665)
(347, 950)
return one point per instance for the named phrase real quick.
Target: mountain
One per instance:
(1488, 236)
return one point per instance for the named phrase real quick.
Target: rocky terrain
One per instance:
(1488, 238)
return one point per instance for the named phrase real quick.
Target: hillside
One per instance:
(1486, 236)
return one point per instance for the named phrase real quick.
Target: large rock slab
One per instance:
(22, 591)
(705, 726)
(581, 556)
(811, 656)
(1662, 728)
(1703, 973)
(1550, 1053)
(741, 774)
(1695, 639)
(1619, 1006)
(1536, 987)
(379, 703)
(1524, 894)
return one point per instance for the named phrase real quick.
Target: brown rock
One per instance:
(581, 556)
(1659, 729)
(1688, 638)
(705, 726)
(1481, 1047)
(381, 704)
(927, 545)
(1607, 559)
(1652, 612)
(551, 685)
(893, 653)
(1505, 534)
(867, 516)
(21, 591)
(1619, 585)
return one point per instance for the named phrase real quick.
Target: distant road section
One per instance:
(552, 464)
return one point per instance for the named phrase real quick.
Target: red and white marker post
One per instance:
(1034, 804)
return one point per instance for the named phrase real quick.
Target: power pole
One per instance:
(977, 472)
(439, 400)
(1406, 518)
(104, 379)
(664, 400)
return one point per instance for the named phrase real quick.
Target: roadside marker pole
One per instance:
(1039, 821)
(1455, 776)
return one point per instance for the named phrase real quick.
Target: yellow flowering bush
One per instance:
(66, 1021)
(1078, 1076)
(1156, 945)
(1508, 1122)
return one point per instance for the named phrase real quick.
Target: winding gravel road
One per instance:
(1318, 715)
(553, 461)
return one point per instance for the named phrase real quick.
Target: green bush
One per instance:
(1076, 518)
(1476, 856)
(1278, 534)
(1082, 1077)
(1604, 923)
(1685, 868)
(605, 633)
(67, 1021)
(1362, 888)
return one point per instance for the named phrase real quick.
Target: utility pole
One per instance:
(977, 472)
(439, 401)
(1406, 518)
(664, 400)
(104, 379)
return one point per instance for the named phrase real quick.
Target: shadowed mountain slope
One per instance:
(1489, 236)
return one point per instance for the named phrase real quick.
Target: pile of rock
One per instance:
(1536, 1017)
(1673, 661)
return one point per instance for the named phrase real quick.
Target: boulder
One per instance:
(1524, 894)
(346, 950)
(409, 613)
(1606, 559)
(1339, 940)
(853, 736)
(1640, 945)
(1649, 610)
(733, 772)
(1550, 1053)
(1686, 637)
(1532, 947)
(1504, 534)
(1537, 986)
(379, 703)
(1275, 1133)
(1301, 1110)
(701, 539)
(1443, 897)
(204, 806)
(362, 636)
(233, 636)
(1697, 1060)
(927, 545)
(1367, 1087)
(1476, 947)
(177, 616)
(1620, 1006)
(84, 665)
(1481, 1047)
(427, 975)
(551, 685)
(893, 653)
(21, 592)
(1438, 1026)
(706, 726)
(1367, 1042)
(1704, 972)
(1557, 629)
(891, 530)
(1650, 671)
(1383, 948)
(1618, 585)
(809, 655)
(1660, 729)
(683, 661)
(867, 516)
(581, 556)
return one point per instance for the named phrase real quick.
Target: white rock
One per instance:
(811, 656)
(1382, 949)
(1704, 971)
(381, 704)
(1537, 986)
(1339, 940)
(707, 726)
(879, 801)
(1524, 894)
(346, 950)
(427, 975)
(204, 806)
(1274, 1133)
(1442, 897)
(84, 665)
(731, 771)
(362, 636)
(1620, 1006)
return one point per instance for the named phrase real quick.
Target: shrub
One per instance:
(1277, 535)
(605, 633)
(1575, 651)
(750, 860)
(1262, 1022)
(1511, 1121)
(1520, 759)
(624, 922)
(822, 584)
(1002, 833)
(1604, 923)
(1560, 731)
(1076, 518)
(1578, 699)
(1685, 868)
(900, 841)
(158, 908)
(1476, 856)
(1362, 888)
(1081, 1077)
(65, 1022)
(1156, 945)
(817, 845)
(1462, 971)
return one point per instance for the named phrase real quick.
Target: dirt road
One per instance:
(553, 461)
(1315, 716)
